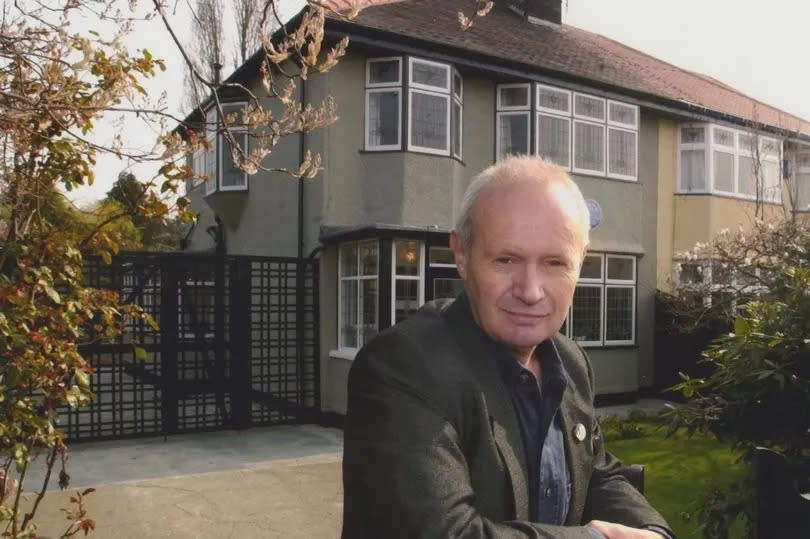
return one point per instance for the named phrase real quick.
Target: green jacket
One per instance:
(433, 448)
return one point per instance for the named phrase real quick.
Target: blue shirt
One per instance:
(537, 405)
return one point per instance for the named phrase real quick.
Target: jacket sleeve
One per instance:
(610, 496)
(404, 472)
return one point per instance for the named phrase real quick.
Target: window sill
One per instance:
(343, 353)
(741, 198)
(608, 346)
(601, 176)
(444, 156)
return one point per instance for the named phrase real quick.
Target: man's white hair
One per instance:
(516, 170)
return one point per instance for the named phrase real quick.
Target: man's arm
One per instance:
(404, 472)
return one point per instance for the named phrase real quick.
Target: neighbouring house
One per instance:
(666, 156)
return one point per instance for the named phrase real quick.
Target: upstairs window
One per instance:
(720, 160)
(216, 166)
(434, 104)
(579, 132)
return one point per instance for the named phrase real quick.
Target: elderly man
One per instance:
(474, 418)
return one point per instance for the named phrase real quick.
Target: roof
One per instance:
(567, 50)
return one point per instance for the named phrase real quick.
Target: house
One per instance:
(665, 157)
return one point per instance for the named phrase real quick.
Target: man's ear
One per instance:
(458, 251)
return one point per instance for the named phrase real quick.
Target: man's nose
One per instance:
(529, 285)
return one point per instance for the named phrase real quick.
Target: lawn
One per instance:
(677, 471)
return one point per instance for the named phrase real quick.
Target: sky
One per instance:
(758, 47)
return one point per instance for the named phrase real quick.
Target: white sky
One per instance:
(758, 47)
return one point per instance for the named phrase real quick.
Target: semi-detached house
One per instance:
(665, 156)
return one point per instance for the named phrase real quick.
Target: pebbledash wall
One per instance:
(358, 188)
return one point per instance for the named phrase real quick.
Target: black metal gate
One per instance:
(237, 346)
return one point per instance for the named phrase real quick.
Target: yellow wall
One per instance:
(667, 148)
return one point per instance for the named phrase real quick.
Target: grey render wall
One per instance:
(629, 227)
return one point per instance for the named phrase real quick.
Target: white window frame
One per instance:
(603, 282)
(367, 132)
(349, 351)
(370, 61)
(224, 145)
(574, 168)
(634, 126)
(498, 115)
(561, 113)
(627, 177)
(706, 158)
(502, 108)
(219, 144)
(394, 277)
(544, 112)
(623, 284)
(709, 147)
(424, 149)
(596, 119)
(457, 100)
(570, 322)
(431, 88)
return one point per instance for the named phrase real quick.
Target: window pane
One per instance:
(770, 181)
(724, 137)
(406, 301)
(724, 171)
(622, 159)
(232, 113)
(430, 75)
(211, 166)
(803, 187)
(745, 142)
(442, 255)
(232, 176)
(514, 96)
(624, 114)
(368, 258)
(513, 134)
(549, 98)
(369, 316)
(693, 170)
(348, 314)
(804, 159)
(429, 121)
(383, 72)
(589, 146)
(591, 267)
(457, 85)
(447, 288)
(692, 135)
(554, 139)
(348, 260)
(456, 129)
(383, 118)
(619, 314)
(748, 184)
(721, 273)
(407, 257)
(620, 268)
(691, 273)
(591, 107)
(770, 148)
(586, 318)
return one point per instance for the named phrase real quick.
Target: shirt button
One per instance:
(548, 493)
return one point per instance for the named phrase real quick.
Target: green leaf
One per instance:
(53, 294)
(741, 327)
(140, 353)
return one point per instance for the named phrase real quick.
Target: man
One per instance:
(474, 418)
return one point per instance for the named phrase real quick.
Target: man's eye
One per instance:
(503, 260)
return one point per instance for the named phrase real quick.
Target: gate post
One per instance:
(168, 344)
(240, 334)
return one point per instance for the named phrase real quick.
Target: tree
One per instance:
(758, 393)
(54, 87)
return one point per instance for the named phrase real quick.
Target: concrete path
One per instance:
(266, 482)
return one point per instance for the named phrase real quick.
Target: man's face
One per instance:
(522, 267)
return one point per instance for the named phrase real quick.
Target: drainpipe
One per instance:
(299, 277)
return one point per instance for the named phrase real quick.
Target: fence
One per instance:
(237, 346)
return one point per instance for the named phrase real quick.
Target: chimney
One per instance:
(540, 11)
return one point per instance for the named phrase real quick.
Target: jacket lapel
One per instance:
(502, 417)
(574, 454)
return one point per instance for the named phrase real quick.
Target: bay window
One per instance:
(579, 132)
(603, 311)
(434, 105)
(720, 160)
(216, 165)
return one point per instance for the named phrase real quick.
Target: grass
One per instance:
(678, 469)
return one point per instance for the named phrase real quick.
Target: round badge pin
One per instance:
(580, 432)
